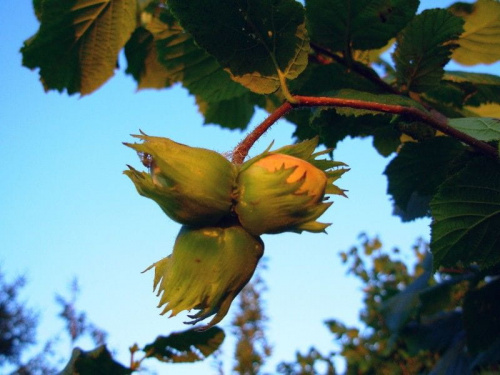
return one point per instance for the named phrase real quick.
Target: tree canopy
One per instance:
(324, 66)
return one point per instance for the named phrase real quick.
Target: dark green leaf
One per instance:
(424, 47)
(233, 113)
(386, 140)
(482, 316)
(183, 61)
(362, 24)
(322, 79)
(484, 129)
(332, 128)
(95, 362)
(197, 70)
(37, 6)
(447, 93)
(415, 174)
(77, 45)
(255, 40)
(185, 346)
(466, 212)
(143, 63)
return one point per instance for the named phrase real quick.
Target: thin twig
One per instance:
(356, 68)
(241, 151)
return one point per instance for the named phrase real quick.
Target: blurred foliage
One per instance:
(17, 322)
(249, 328)
(414, 322)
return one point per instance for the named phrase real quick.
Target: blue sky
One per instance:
(67, 210)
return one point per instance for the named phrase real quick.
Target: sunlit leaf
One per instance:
(484, 129)
(479, 78)
(424, 47)
(480, 42)
(486, 110)
(180, 60)
(415, 174)
(199, 72)
(77, 45)
(95, 362)
(362, 24)
(466, 212)
(185, 346)
(255, 40)
(143, 64)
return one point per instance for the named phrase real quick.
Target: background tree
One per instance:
(414, 323)
(17, 322)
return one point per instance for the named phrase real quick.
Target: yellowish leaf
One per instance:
(480, 42)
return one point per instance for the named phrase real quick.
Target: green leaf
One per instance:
(95, 362)
(185, 346)
(477, 78)
(323, 79)
(256, 41)
(480, 42)
(233, 113)
(482, 316)
(484, 129)
(332, 128)
(362, 24)
(466, 212)
(486, 110)
(143, 64)
(199, 72)
(424, 47)
(415, 174)
(179, 60)
(467, 94)
(37, 7)
(77, 45)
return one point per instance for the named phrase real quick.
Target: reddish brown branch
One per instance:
(438, 124)
(241, 151)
